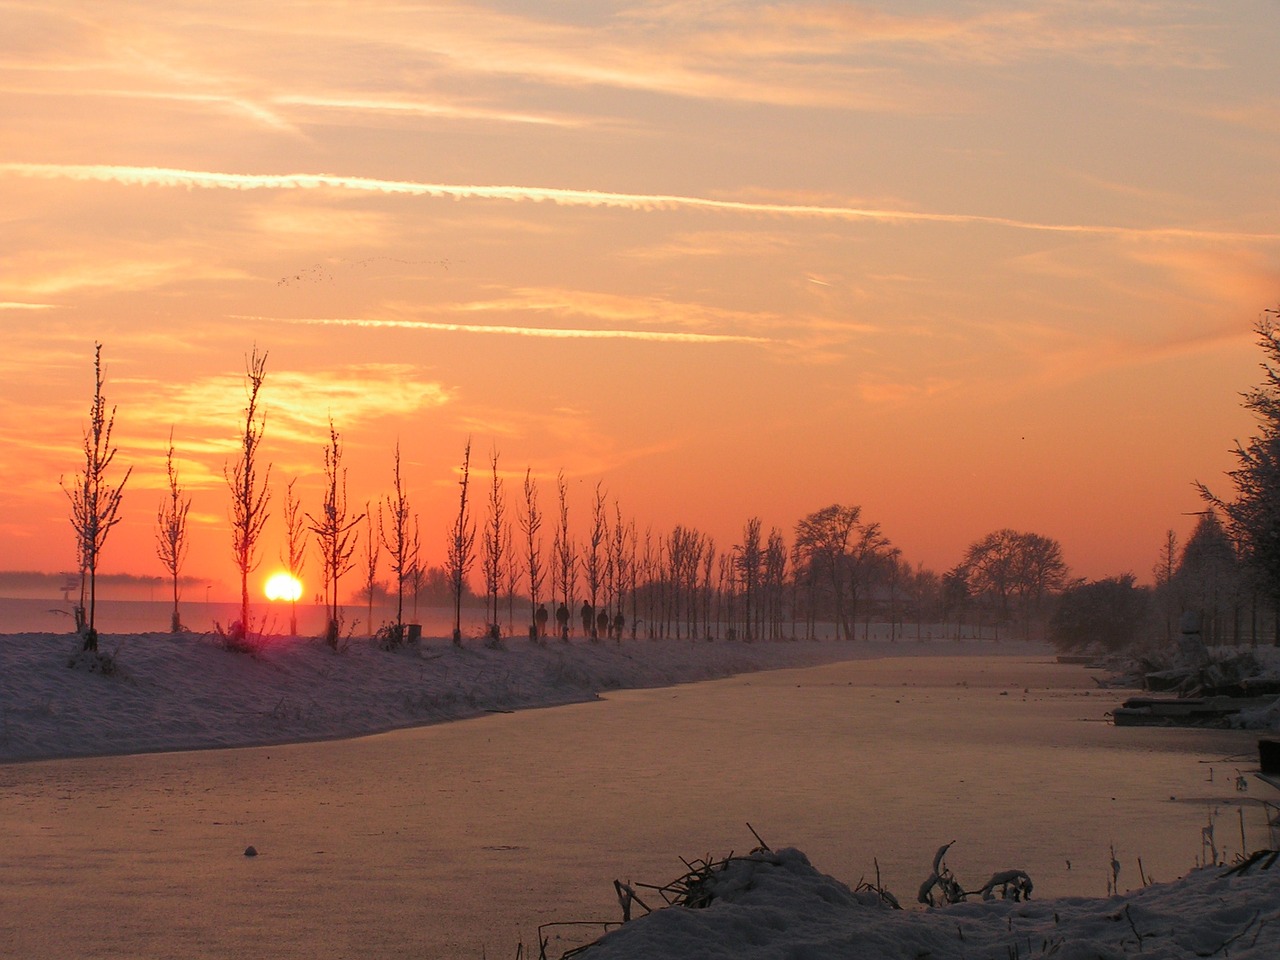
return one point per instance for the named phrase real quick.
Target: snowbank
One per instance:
(775, 905)
(180, 692)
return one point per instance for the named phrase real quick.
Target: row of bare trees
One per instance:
(838, 568)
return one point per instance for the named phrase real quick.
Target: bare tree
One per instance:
(530, 523)
(633, 567)
(416, 577)
(957, 596)
(495, 548)
(827, 551)
(335, 534)
(684, 553)
(775, 578)
(171, 532)
(399, 536)
(647, 564)
(610, 585)
(708, 567)
(750, 560)
(1041, 572)
(1006, 565)
(372, 553)
(594, 560)
(249, 492)
(804, 572)
(511, 576)
(95, 503)
(461, 545)
(727, 591)
(621, 548)
(866, 561)
(565, 558)
(294, 557)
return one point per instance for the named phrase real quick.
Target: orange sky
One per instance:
(967, 265)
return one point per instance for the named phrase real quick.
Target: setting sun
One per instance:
(283, 586)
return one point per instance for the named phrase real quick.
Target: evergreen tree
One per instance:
(1208, 578)
(1253, 517)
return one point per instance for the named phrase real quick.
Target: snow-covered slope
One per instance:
(776, 906)
(186, 692)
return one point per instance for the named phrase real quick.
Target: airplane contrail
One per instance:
(559, 333)
(170, 177)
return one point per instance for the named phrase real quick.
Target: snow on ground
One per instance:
(187, 692)
(179, 692)
(776, 906)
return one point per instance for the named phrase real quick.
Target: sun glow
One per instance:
(283, 586)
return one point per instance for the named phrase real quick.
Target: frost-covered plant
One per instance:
(1010, 884)
(94, 661)
(240, 637)
(941, 879)
(391, 635)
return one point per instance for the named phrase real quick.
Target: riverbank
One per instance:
(185, 692)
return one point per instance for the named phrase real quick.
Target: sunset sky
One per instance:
(969, 265)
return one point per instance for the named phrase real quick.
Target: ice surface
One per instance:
(179, 692)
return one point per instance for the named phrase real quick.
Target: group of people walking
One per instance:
(595, 624)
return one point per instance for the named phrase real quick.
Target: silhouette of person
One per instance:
(588, 618)
(619, 621)
(562, 621)
(541, 617)
(602, 623)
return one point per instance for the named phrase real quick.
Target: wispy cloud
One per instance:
(845, 57)
(618, 308)
(884, 392)
(713, 243)
(424, 108)
(228, 103)
(57, 272)
(170, 177)
(842, 56)
(298, 404)
(1261, 115)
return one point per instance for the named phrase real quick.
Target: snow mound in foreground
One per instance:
(773, 905)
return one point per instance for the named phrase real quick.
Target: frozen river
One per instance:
(458, 840)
